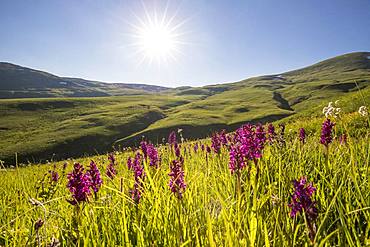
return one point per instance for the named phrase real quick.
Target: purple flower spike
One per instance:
(302, 135)
(144, 148)
(111, 169)
(301, 200)
(150, 152)
(153, 155)
(248, 144)
(139, 174)
(326, 132)
(130, 163)
(95, 176)
(177, 150)
(54, 176)
(260, 136)
(111, 158)
(177, 182)
(172, 138)
(216, 143)
(271, 133)
(218, 140)
(222, 137)
(79, 184)
(196, 147)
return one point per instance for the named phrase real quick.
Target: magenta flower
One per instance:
(202, 147)
(177, 182)
(144, 148)
(149, 151)
(95, 177)
(302, 135)
(130, 163)
(237, 161)
(196, 147)
(54, 176)
(79, 184)
(111, 169)
(153, 155)
(301, 202)
(218, 140)
(301, 199)
(111, 158)
(271, 133)
(208, 149)
(139, 174)
(172, 138)
(222, 137)
(260, 136)
(248, 145)
(326, 132)
(177, 150)
(216, 143)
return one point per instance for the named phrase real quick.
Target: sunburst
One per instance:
(158, 37)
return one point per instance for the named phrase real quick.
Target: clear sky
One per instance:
(217, 41)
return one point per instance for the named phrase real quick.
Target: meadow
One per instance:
(235, 189)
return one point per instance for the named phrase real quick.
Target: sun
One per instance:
(157, 38)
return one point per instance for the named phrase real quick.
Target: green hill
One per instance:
(21, 82)
(68, 126)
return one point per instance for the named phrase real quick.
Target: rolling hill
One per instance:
(65, 125)
(21, 82)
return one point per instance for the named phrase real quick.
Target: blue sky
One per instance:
(224, 41)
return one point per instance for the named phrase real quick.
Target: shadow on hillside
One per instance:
(191, 132)
(99, 144)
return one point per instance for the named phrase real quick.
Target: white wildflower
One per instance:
(330, 111)
(336, 102)
(363, 111)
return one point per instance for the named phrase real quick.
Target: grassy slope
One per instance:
(95, 123)
(265, 98)
(71, 127)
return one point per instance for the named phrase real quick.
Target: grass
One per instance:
(210, 213)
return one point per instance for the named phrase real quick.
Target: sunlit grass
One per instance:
(210, 213)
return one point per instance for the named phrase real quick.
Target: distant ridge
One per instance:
(22, 82)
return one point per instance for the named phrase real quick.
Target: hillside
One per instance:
(70, 127)
(21, 82)
(266, 98)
